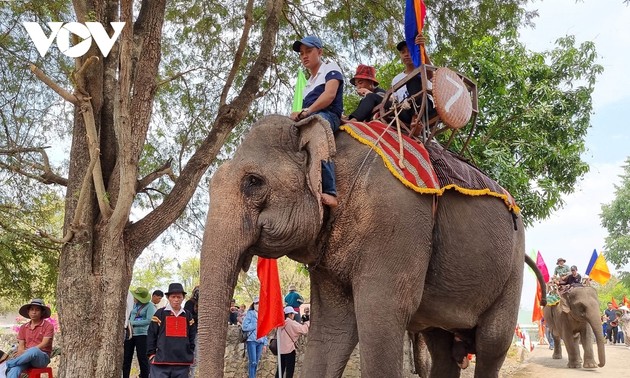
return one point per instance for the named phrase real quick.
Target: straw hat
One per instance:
(35, 302)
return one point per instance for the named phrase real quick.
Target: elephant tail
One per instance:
(541, 281)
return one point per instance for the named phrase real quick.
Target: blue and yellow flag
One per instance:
(599, 271)
(591, 262)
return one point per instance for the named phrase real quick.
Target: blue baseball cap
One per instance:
(310, 41)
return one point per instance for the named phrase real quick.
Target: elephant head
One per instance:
(252, 213)
(584, 307)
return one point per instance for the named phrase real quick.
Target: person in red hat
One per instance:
(365, 82)
(35, 339)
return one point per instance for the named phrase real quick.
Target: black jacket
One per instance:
(170, 339)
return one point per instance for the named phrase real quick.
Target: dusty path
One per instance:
(540, 364)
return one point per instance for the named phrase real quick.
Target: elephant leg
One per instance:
(333, 332)
(382, 315)
(587, 337)
(421, 355)
(573, 349)
(440, 344)
(557, 347)
(495, 330)
(381, 337)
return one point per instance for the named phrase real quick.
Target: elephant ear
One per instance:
(317, 139)
(564, 305)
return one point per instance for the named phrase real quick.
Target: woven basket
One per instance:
(452, 98)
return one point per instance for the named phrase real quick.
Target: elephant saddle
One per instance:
(429, 169)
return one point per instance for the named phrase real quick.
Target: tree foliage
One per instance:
(153, 271)
(615, 217)
(535, 110)
(614, 288)
(28, 262)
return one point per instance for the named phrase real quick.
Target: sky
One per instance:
(575, 230)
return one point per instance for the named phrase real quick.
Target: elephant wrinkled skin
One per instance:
(381, 264)
(578, 320)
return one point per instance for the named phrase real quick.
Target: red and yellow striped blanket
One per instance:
(428, 172)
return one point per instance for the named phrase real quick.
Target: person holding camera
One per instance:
(307, 315)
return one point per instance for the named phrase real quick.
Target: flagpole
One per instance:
(279, 363)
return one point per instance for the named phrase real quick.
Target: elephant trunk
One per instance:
(217, 288)
(594, 321)
(222, 255)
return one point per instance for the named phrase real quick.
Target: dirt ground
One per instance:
(540, 364)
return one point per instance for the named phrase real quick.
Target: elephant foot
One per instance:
(574, 365)
(590, 365)
(557, 356)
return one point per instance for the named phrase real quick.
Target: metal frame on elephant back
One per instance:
(454, 96)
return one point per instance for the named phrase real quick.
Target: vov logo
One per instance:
(61, 31)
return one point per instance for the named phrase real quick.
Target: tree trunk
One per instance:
(92, 307)
(96, 264)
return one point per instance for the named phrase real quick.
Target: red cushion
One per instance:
(37, 372)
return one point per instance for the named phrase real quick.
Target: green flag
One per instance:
(299, 89)
(533, 255)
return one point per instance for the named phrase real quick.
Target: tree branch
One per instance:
(143, 232)
(67, 237)
(165, 169)
(177, 76)
(54, 86)
(238, 56)
(47, 177)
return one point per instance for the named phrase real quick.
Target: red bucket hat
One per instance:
(365, 72)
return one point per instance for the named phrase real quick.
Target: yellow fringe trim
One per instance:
(469, 192)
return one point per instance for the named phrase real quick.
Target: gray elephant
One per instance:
(387, 260)
(576, 319)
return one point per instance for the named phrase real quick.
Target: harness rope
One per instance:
(332, 218)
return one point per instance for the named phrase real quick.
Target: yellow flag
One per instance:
(600, 272)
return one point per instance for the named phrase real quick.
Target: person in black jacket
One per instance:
(367, 87)
(171, 337)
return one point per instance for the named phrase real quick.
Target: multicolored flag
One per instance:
(614, 303)
(270, 314)
(626, 302)
(299, 90)
(599, 272)
(591, 263)
(415, 12)
(540, 264)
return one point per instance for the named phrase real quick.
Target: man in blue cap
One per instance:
(323, 95)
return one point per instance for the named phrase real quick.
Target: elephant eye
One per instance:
(251, 184)
(252, 180)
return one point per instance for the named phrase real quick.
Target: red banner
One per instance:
(270, 314)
